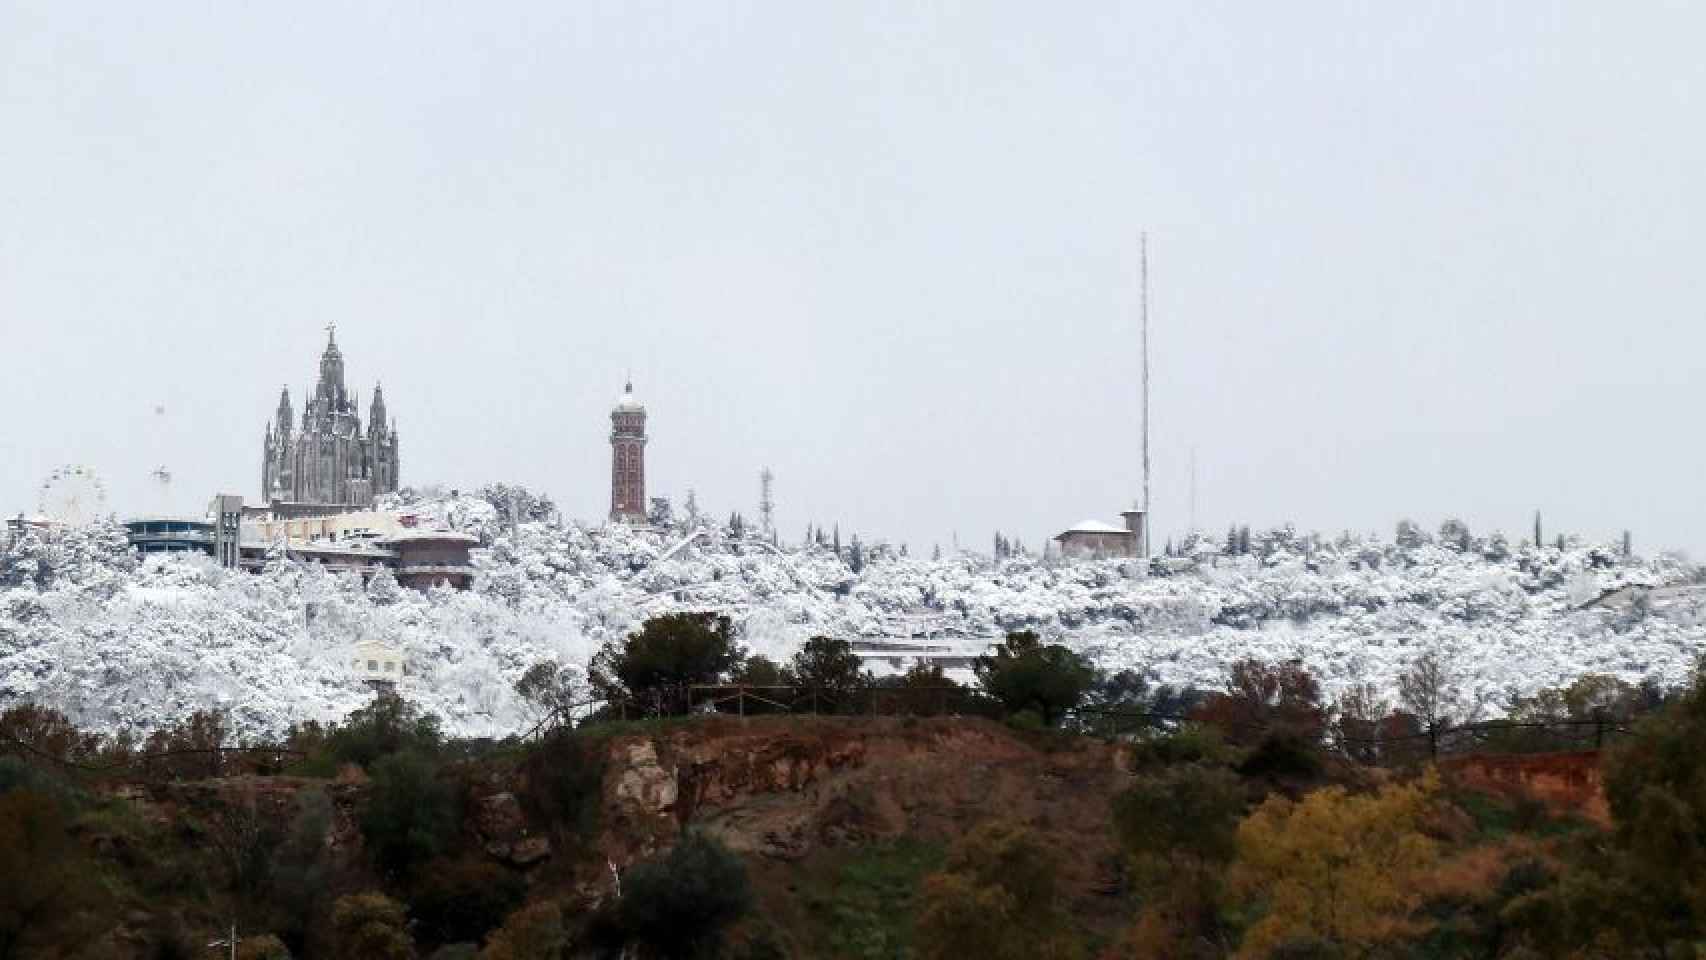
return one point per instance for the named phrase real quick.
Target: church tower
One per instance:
(628, 459)
(328, 457)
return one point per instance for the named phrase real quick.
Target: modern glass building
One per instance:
(170, 535)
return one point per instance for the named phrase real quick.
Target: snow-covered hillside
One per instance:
(86, 627)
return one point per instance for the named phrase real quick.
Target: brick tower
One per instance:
(628, 459)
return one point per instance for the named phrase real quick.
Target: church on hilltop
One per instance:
(330, 458)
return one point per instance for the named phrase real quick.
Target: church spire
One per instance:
(331, 386)
(376, 416)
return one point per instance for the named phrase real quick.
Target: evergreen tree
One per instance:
(936, 552)
(1026, 674)
(1538, 540)
(856, 555)
(838, 540)
(1454, 533)
(1628, 545)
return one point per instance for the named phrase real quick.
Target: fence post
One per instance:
(740, 699)
(1598, 728)
(1433, 740)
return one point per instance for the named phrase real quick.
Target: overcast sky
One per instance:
(1419, 260)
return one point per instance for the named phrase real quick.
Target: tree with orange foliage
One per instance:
(1335, 867)
(1265, 700)
(39, 733)
(534, 932)
(997, 898)
(371, 926)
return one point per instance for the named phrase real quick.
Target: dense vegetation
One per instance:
(1256, 820)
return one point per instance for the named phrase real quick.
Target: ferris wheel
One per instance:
(73, 495)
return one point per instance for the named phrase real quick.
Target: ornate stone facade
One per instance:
(330, 459)
(628, 459)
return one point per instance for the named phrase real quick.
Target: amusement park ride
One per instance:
(72, 496)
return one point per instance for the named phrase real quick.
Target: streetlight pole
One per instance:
(230, 943)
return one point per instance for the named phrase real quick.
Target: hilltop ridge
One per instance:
(116, 642)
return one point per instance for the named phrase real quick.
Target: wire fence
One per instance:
(1395, 738)
(265, 760)
(866, 700)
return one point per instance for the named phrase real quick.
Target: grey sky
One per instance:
(1404, 261)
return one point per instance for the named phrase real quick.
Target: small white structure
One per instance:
(378, 665)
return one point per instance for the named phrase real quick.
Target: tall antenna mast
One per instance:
(1143, 275)
(1193, 488)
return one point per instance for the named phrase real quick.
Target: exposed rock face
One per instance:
(504, 832)
(782, 787)
(1568, 783)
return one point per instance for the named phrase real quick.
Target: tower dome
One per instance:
(629, 403)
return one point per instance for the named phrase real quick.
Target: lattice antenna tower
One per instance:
(766, 502)
(1143, 283)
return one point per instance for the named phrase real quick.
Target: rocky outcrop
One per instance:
(782, 787)
(1567, 783)
(504, 831)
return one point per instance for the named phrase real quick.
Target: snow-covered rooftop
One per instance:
(1095, 526)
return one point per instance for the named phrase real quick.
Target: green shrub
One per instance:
(654, 668)
(1283, 755)
(1026, 674)
(388, 725)
(463, 900)
(1028, 721)
(1188, 811)
(371, 926)
(563, 779)
(863, 911)
(411, 814)
(680, 904)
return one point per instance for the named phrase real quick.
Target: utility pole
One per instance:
(1143, 275)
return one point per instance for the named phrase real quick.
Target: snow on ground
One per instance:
(117, 642)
